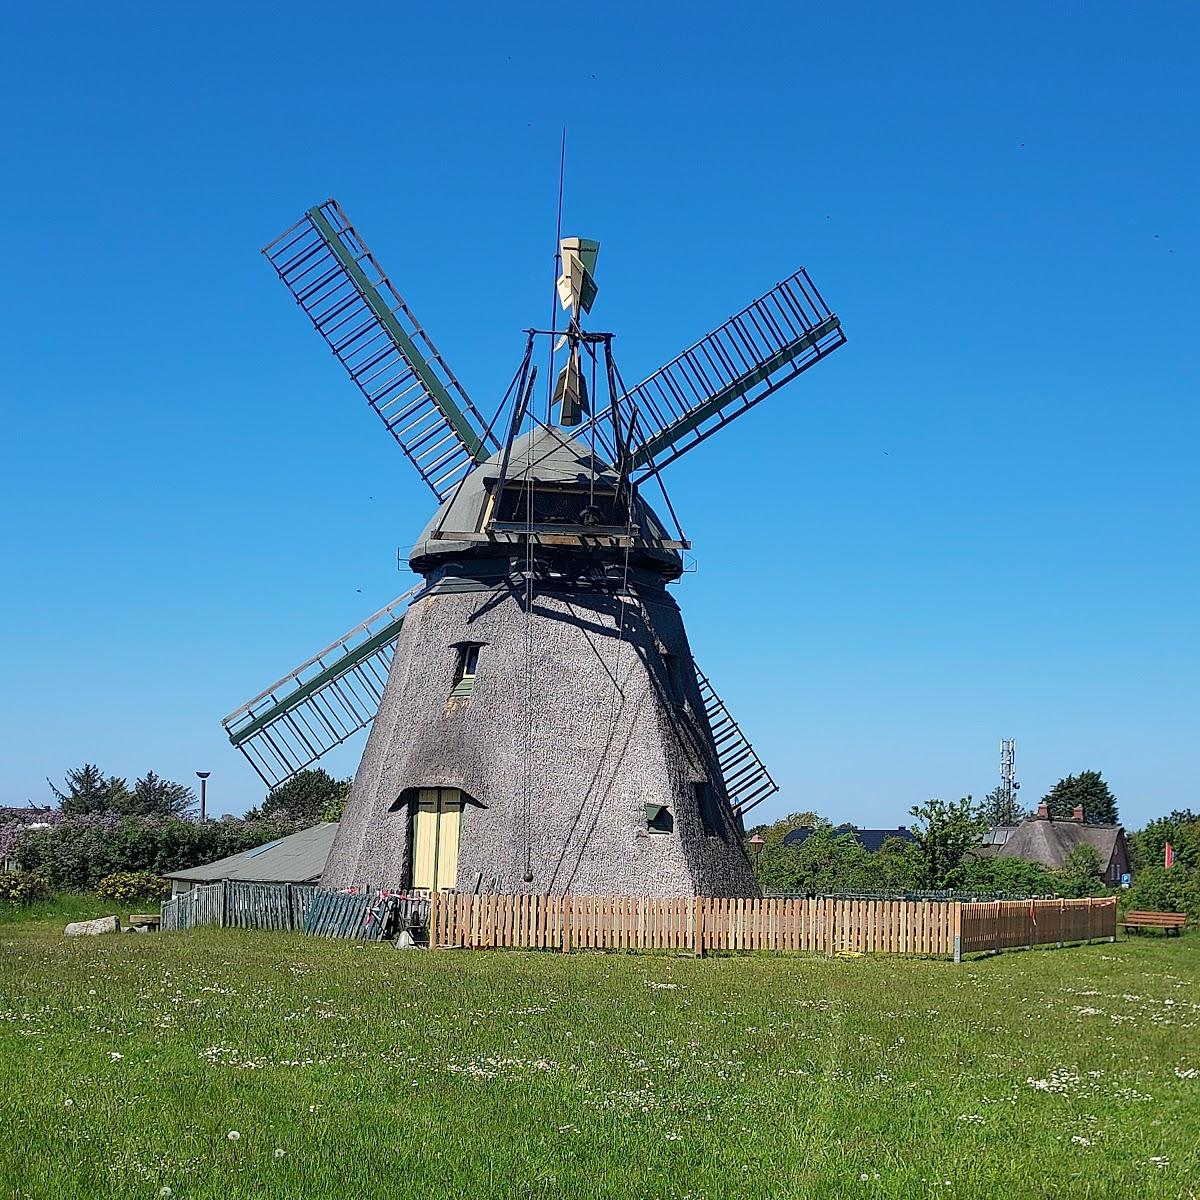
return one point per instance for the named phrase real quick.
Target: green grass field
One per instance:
(361, 1071)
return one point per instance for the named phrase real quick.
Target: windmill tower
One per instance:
(538, 722)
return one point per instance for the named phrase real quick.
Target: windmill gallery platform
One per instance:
(538, 722)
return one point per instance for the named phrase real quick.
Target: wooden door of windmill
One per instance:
(437, 823)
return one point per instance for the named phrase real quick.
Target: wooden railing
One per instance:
(827, 925)
(1002, 924)
(358, 914)
(239, 905)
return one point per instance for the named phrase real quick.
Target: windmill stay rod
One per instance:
(520, 405)
(562, 171)
(517, 381)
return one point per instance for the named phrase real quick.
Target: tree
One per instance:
(1088, 789)
(306, 796)
(88, 790)
(1181, 829)
(1011, 877)
(999, 809)
(154, 796)
(831, 860)
(944, 833)
(1080, 874)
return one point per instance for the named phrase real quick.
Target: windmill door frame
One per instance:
(436, 832)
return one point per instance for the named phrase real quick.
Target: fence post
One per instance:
(566, 923)
(957, 927)
(697, 930)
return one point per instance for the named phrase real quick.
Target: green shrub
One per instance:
(23, 887)
(123, 887)
(1158, 890)
(77, 853)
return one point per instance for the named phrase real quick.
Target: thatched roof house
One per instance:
(1043, 839)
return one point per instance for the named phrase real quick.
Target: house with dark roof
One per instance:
(1048, 841)
(297, 858)
(868, 839)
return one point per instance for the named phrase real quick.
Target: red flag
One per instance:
(1168, 856)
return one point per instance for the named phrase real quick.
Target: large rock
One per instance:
(92, 928)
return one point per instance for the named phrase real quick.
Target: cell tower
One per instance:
(1008, 772)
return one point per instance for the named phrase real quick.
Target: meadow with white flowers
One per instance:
(234, 1064)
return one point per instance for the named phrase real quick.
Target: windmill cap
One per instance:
(545, 455)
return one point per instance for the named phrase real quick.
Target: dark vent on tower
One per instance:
(560, 506)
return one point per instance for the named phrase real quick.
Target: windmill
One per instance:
(537, 720)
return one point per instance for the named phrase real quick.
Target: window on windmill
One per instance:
(466, 664)
(674, 676)
(706, 805)
(659, 819)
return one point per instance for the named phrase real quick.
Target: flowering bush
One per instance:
(23, 887)
(123, 887)
(78, 852)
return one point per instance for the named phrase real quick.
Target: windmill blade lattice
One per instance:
(747, 780)
(766, 345)
(320, 704)
(347, 295)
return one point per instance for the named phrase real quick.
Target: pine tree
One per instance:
(154, 796)
(307, 795)
(88, 790)
(999, 809)
(1088, 789)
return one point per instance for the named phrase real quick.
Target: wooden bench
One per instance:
(149, 920)
(1136, 922)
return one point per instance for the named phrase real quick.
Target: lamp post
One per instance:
(757, 842)
(203, 777)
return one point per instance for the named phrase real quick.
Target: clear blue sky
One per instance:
(977, 520)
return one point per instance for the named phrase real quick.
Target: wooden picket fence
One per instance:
(1003, 924)
(824, 925)
(360, 914)
(366, 915)
(239, 905)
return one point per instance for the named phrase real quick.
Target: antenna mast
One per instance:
(1008, 772)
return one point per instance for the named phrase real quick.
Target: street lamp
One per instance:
(203, 777)
(757, 842)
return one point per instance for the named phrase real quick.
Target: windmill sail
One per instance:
(334, 694)
(336, 279)
(747, 780)
(320, 704)
(766, 345)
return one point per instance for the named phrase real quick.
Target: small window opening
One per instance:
(674, 677)
(465, 667)
(706, 803)
(559, 506)
(659, 819)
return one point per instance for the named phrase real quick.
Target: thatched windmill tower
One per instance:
(539, 721)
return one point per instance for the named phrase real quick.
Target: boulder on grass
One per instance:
(92, 928)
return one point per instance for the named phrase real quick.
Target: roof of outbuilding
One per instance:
(297, 858)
